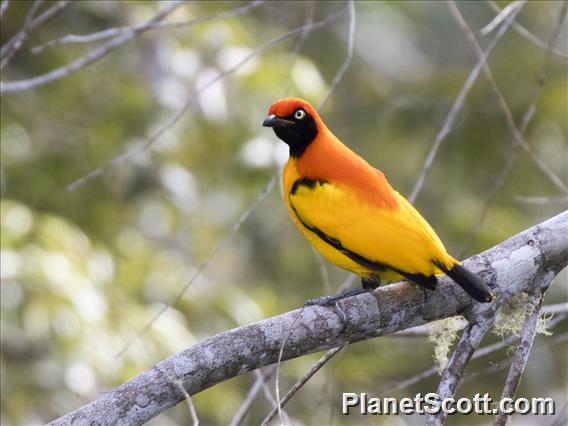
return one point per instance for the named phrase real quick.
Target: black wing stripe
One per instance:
(309, 183)
(428, 282)
(336, 244)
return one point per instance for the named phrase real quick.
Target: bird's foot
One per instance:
(332, 300)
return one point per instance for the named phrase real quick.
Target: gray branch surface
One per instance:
(510, 267)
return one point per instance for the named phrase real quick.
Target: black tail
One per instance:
(471, 284)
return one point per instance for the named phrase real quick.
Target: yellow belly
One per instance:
(345, 228)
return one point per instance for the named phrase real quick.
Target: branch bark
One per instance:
(511, 267)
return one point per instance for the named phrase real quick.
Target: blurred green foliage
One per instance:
(84, 270)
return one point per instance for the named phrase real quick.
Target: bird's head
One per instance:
(295, 122)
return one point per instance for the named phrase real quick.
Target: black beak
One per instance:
(273, 121)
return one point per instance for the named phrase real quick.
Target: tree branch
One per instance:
(90, 57)
(308, 28)
(536, 254)
(505, 110)
(112, 32)
(16, 42)
(298, 385)
(521, 355)
(527, 34)
(458, 103)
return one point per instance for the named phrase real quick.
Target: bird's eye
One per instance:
(299, 114)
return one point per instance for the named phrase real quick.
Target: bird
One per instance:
(351, 214)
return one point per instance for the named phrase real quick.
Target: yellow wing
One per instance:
(363, 238)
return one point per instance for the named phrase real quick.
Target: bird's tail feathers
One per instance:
(471, 284)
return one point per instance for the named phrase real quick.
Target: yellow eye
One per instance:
(299, 114)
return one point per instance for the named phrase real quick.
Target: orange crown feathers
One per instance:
(287, 106)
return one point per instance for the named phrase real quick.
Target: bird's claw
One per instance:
(332, 300)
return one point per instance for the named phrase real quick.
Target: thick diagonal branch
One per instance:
(510, 267)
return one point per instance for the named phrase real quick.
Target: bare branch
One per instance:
(557, 308)
(261, 379)
(16, 42)
(347, 62)
(541, 200)
(458, 103)
(526, 33)
(272, 402)
(191, 407)
(516, 142)
(3, 7)
(501, 16)
(299, 41)
(175, 381)
(303, 380)
(279, 364)
(257, 51)
(112, 32)
(49, 13)
(561, 309)
(425, 331)
(521, 355)
(91, 56)
(232, 231)
(505, 110)
(469, 342)
(511, 267)
(502, 365)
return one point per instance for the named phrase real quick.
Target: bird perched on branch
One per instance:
(350, 213)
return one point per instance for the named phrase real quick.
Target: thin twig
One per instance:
(425, 331)
(191, 407)
(557, 308)
(560, 309)
(49, 13)
(267, 392)
(526, 33)
(298, 385)
(172, 379)
(16, 42)
(112, 32)
(262, 376)
(91, 56)
(3, 7)
(278, 408)
(505, 110)
(521, 355)
(20, 38)
(499, 18)
(349, 57)
(232, 231)
(152, 139)
(540, 200)
(299, 42)
(502, 365)
(458, 103)
(499, 181)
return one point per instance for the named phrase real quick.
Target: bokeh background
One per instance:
(84, 270)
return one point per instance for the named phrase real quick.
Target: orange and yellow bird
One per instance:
(350, 213)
